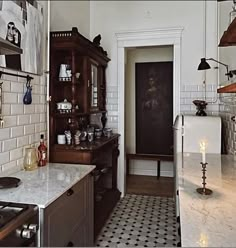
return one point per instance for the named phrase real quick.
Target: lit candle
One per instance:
(203, 151)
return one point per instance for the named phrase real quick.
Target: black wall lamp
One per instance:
(204, 66)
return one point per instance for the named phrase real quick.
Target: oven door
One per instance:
(22, 231)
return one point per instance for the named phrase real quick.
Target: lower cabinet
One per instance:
(68, 221)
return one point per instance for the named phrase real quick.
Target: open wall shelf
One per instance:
(231, 88)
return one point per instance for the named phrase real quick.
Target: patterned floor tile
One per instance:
(144, 221)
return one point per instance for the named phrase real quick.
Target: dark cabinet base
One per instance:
(103, 153)
(104, 208)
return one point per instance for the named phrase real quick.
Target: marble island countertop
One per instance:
(207, 221)
(45, 184)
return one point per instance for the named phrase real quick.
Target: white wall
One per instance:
(136, 15)
(23, 124)
(68, 14)
(157, 54)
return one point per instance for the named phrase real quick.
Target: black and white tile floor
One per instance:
(137, 220)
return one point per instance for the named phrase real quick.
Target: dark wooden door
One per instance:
(154, 107)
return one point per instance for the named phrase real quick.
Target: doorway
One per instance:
(153, 108)
(144, 38)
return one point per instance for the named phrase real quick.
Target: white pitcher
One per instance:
(63, 71)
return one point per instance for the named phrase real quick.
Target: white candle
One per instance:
(204, 157)
(203, 151)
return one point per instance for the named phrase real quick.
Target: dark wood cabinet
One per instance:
(77, 74)
(68, 221)
(103, 153)
(85, 89)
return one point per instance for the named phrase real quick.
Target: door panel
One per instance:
(154, 107)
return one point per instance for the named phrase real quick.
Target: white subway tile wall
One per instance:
(23, 124)
(112, 107)
(189, 93)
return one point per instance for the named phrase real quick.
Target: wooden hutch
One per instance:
(85, 89)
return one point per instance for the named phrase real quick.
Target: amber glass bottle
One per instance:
(42, 149)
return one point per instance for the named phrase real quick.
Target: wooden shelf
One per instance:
(231, 88)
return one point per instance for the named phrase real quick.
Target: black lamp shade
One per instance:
(203, 65)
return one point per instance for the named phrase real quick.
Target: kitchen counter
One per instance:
(45, 184)
(207, 221)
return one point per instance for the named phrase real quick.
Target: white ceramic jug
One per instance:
(63, 71)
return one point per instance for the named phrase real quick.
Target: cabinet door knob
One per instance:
(70, 192)
(70, 244)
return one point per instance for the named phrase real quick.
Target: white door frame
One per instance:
(144, 38)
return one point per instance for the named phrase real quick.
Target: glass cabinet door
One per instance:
(94, 87)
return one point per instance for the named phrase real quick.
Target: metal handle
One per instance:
(70, 192)
(1, 122)
(88, 83)
(24, 233)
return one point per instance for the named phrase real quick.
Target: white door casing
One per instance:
(144, 38)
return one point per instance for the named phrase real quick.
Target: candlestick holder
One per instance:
(204, 190)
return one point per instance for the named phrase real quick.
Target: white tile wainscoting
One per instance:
(190, 92)
(23, 124)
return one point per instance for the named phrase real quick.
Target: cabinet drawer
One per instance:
(64, 215)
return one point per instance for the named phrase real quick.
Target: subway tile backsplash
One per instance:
(23, 124)
(190, 92)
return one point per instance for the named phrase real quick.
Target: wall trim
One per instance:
(144, 38)
(164, 173)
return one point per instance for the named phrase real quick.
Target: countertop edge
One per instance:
(66, 188)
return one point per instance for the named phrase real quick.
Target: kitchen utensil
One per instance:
(30, 159)
(64, 107)
(90, 136)
(77, 137)
(83, 135)
(61, 139)
(9, 182)
(98, 133)
(68, 136)
(27, 99)
(107, 132)
(63, 74)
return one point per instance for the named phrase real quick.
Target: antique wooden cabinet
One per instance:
(77, 80)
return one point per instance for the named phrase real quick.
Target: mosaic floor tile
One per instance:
(138, 220)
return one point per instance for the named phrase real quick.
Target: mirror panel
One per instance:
(94, 86)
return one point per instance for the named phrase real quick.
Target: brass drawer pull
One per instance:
(70, 192)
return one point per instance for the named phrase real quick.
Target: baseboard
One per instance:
(164, 173)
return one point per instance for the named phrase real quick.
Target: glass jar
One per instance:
(30, 159)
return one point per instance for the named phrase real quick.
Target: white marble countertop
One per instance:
(207, 221)
(45, 184)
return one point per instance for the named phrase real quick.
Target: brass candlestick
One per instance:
(204, 190)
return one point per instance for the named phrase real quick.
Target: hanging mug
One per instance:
(28, 94)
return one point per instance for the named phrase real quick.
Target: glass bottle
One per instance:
(42, 151)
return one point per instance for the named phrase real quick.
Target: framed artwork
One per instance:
(21, 23)
(154, 107)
